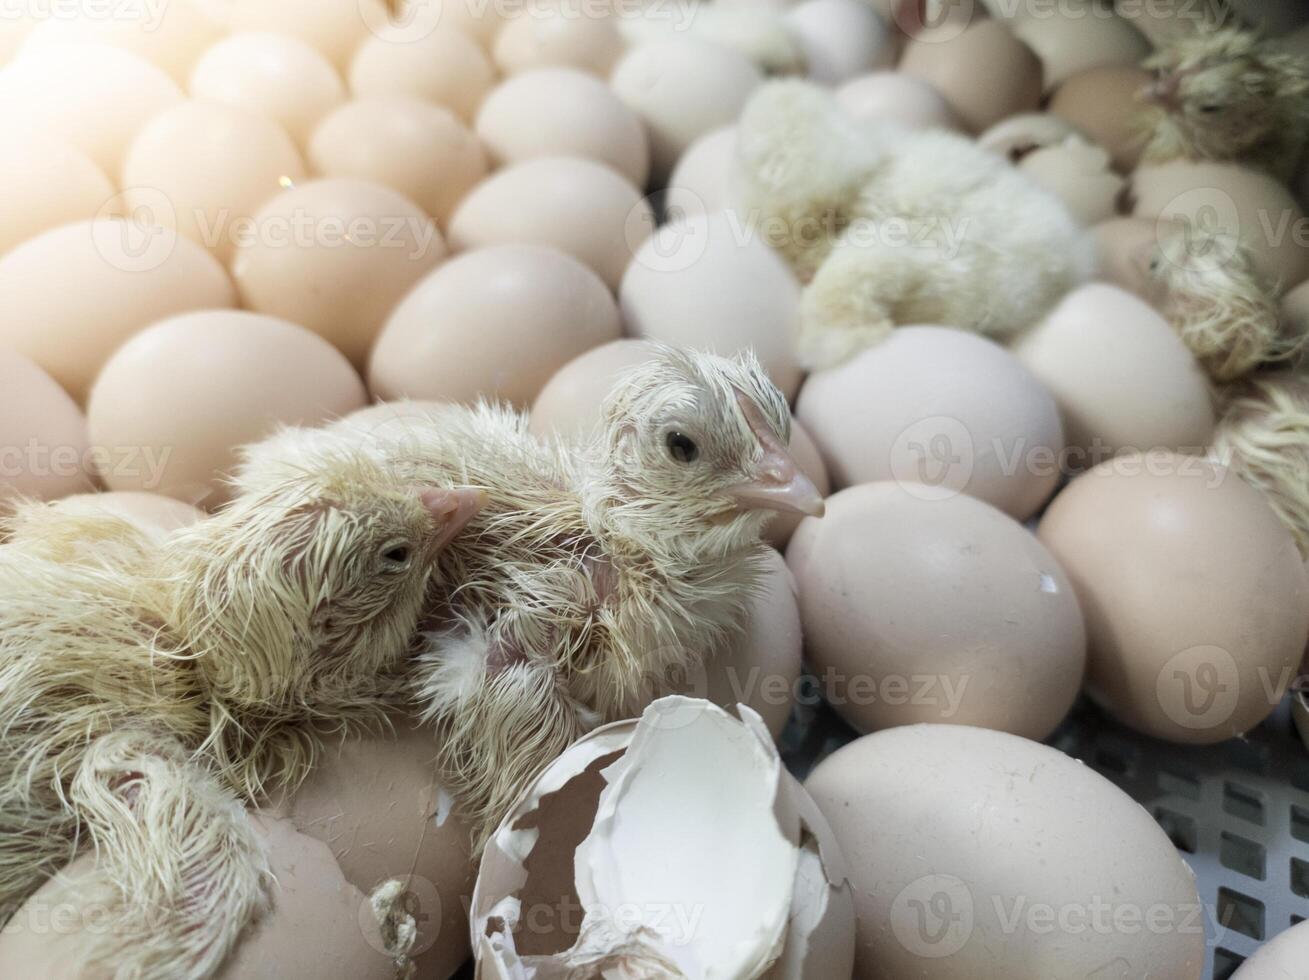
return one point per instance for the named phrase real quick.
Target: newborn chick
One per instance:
(595, 576)
(890, 226)
(146, 691)
(1227, 95)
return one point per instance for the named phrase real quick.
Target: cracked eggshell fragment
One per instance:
(656, 867)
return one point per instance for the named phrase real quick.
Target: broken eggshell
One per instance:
(621, 852)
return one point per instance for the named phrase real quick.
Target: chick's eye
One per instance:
(1210, 109)
(682, 447)
(395, 558)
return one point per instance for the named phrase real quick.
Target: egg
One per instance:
(1003, 646)
(421, 150)
(702, 181)
(1076, 35)
(1078, 173)
(555, 38)
(494, 322)
(334, 28)
(477, 19)
(896, 97)
(43, 440)
(152, 513)
(1228, 197)
(174, 403)
(682, 88)
(941, 407)
(1102, 102)
(71, 296)
(443, 66)
(1124, 250)
(983, 71)
(578, 206)
(1122, 376)
(1195, 595)
(568, 405)
(710, 283)
(563, 112)
(204, 169)
(279, 77)
(977, 853)
(94, 96)
(1280, 958)
(13, 32)
(336, 255)
(840, 39)
(1019, 136)
(47, 183)
(1295, 310)
(780, 527)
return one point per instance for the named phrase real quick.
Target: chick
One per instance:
(595, 575)
(1228, 95)
(890, 226)
(147, 690)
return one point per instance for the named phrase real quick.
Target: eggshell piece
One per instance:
(942, 407)
(840, 39)
(43, 440)
(702, 181)
(1121, 375)
(334, 28)
(1019, 136)
(47, 183)
(188, 391)
(577, 206)
(896, 97)
(153, 513)
(554, 38)
(976, 853)
(682, 88)
(1195, 595)
(982, 71)
(494, 322)
(563, 112)
(1079, 36)
(71, 296)
(443, 66)
(279, 77)
(1280, 958)
(421, 150)
(568, 405)
(780, 527)
(336, 255)
(1102, 102)
(204, 168)
(1124, 249)
(1079, 174)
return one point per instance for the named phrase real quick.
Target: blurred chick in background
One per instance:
(594, 578)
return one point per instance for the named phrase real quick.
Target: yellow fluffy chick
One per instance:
(595, 576)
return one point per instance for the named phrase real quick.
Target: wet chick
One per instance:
(594, 577)
(1228, 95)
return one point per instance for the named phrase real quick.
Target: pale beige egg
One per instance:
(577, 206)
(708, 282)
(1124, 250)
(1279, 958)
(1077, 36)
(563, 112)
(94, 96)
(1121, 375)
(840, 39)
(1195, 595)
(558, 38)
(422, 150)
(493, 322)
(478, 19)
(983, 71)
(780, 527)
(336, 255)
(1079, 174)
(976, 853)
(1018, 136)
(174, 403)
(568, 405)
(1003, 646)
(939, 407)
(682, 88)
(71, 296)
(204, 168)
(47, 183)
(702, 181)
(153, 513)
(334, 28)
(280, 77)
(444, 67)
(896, 97)
(13, 32)
(43, 440)
(1102, 102)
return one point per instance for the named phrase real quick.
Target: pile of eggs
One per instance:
(220, 216)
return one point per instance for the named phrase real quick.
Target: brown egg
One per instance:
(682, 88)
(443, 66)
(701, 183)
(1196, 598)
(1121, 375)
(204, 168)
(71, 296)
(1124, 249)
(1003, 646)
(563, 112)
(494, 322)
(1076, 37)
(1228, 197)
(43, 440)
(780, 527)
(421, 150)
(173, 404)
(577, 206)
(707, 283)
(932, 405)
(1078, 173)
(336, 255)
(153, 513)
(1102, 103)
(555, 38)
(335, 28)
(568, 405)
(896, 97)
(840, 39)
(983, 71)
(279, 77)
(47, 183)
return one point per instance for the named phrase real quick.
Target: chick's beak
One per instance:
(1164, 92)
(779, 484)
(451, 510)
